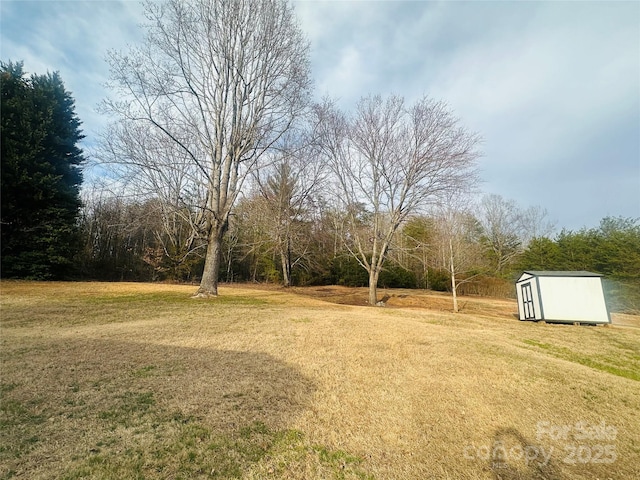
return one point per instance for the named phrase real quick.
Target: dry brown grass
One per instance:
(141, 381)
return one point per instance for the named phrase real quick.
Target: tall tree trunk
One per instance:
(209, 282)
(286, 268)
(373, 286)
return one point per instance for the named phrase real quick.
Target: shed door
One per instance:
(527, 302)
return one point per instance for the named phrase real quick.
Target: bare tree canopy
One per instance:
(289, 188)
(508, 229)
(393, 160)
(221, 81)
(457, 240)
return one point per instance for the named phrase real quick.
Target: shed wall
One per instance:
(573, 299)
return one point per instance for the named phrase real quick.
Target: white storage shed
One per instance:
(563, 297)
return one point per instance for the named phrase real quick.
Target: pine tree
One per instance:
(41, 175)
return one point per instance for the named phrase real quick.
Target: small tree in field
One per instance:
(222, 81)
(393, 160)
(458, 244)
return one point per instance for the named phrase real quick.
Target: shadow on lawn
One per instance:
(515, 457)
(123, 409)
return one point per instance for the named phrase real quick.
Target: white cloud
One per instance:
(71, 38)
(348, 78)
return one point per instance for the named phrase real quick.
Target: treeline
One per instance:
(612, 249)
(288, 223)
(269, 240)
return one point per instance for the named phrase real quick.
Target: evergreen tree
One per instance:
(612, 249)
(40, 175)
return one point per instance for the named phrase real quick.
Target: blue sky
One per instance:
(552, 87)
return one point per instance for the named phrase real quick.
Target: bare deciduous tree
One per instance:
(502, 224)
(146, 165)
(508, 229)
(222, 81)
(288, 189)
(394, 160)
(536, 224)
(457, 242)
(417, 249)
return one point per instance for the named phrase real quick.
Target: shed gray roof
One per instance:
(557, 273)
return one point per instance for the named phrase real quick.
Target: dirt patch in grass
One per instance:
(141, 381)
(427, 300)
(407, 298)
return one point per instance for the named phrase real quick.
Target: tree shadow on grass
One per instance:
(127, 409)
(515, 457)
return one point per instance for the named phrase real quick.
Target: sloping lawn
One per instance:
(113, 381)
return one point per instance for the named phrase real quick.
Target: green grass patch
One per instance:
(134, 298)
(6, 388)
(192, 450)
(13, 413)
(342, 464)
(609, 364)
(130, 409)
(142, 440)
(20, 427)
(144, 372)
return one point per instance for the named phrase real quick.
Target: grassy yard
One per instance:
(127, 381)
